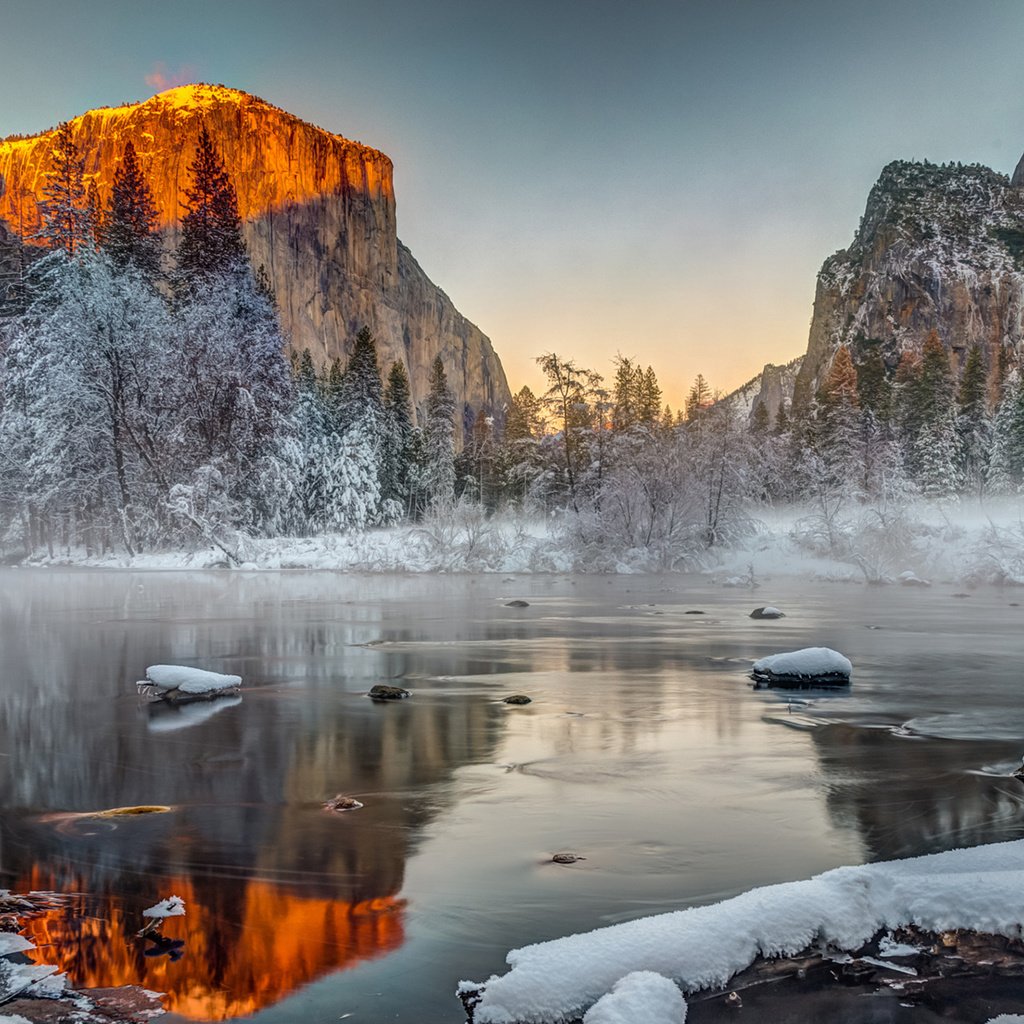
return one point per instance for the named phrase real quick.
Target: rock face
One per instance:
(770, 388)
(318, 213)
(938, 248)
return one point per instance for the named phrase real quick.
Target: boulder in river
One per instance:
(767, 612)
(517, 604)
(383, 692)
(517, 698)
(810, 666)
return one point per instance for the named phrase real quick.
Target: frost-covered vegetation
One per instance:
(147, 407)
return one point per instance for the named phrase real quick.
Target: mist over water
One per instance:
(645, 751)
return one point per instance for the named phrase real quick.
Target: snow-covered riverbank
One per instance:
(964, 542)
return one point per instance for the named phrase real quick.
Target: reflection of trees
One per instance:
(910, 797)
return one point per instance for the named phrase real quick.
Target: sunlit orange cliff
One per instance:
(319, 215)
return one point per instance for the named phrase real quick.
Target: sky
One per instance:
(660, 180)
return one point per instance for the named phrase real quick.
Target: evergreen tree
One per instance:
(1006, 469)
(64, 207)
(439, 440)
(360, 393)
(396, 454)
(699, 399)
(838, 434)
(973, 425)
(874, 392)
(933, 455)
(649, 399)
(130, 233)
(626, 393)
(211, 229)
(760, 419)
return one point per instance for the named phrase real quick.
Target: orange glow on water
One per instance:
(232, 966)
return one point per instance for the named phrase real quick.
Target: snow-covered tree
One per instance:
(439, 440)
(396, 468)
(973, 424)
(1006, 466)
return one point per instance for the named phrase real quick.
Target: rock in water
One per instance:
(517, 604)
(181, 683)
(318, 213)
(767, 612)
(811, 666)
(517, 698)
(342, 803)
(382, 692)
(566, 858)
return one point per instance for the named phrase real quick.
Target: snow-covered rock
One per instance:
(173, 906)
(181, 682)
(981, 889)
(808, 665)
(767, 612)
(640, 996)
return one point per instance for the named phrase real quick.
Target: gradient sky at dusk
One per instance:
(657, 179)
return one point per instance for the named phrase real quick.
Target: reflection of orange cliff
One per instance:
(279, 942)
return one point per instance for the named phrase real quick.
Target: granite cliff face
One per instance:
(938, 248)
(318, 213)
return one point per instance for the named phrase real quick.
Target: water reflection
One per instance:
(279, 892)
(908, 797)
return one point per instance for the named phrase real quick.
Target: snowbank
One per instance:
(980, 889)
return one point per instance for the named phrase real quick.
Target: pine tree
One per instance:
(396, 455)
(973, 425)
(439, 440)
(626, 393)
(360, 393)
(932, 450)
(1006, 469)
(64, 207)
(760, 420)
(130, 233)
(839, 418)
(649, 399)
(211, 229)
(699, 399)
(874, 392)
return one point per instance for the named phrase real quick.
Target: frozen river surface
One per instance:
(645, 751)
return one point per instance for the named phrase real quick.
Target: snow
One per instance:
(640, 996)
(1003, 1018)
(810, 662)
(703, 947)
(173, 906)
(190, 680)
(13, 943)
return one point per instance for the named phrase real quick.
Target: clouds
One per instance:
(161, 77)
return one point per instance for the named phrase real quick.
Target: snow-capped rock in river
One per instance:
(179, 683)
(809, 665)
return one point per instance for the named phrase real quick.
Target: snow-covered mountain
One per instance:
(940, 247)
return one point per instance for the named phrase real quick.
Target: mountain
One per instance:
(938, 248)
(318, 213)
(770, 388)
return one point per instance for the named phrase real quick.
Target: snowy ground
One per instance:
(961, 542)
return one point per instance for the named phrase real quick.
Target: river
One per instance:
(645, 751)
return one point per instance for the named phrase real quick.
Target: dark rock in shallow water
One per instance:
(342, 803)
(517, 604)
(381, 692)
(517, 698)
(694, 611)
(767, 612)
(566, 858)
